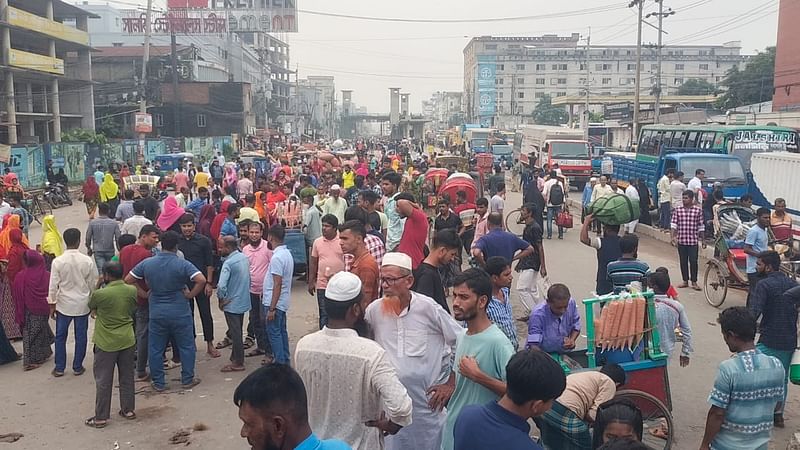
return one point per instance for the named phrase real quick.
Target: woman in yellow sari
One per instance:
(52, 244)
(109, 193)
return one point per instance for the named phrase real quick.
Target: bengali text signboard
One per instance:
(217, 17)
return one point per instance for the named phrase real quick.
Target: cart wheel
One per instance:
(715, 284)
(654, 415)
(514, 223)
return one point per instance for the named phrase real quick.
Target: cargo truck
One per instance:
(564, 146)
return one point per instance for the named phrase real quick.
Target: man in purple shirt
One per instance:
(555, 325)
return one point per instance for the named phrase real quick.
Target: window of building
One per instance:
(520, 110)
(490, 47)
(561, 94)
(603, 67)
(555, 67)
(562, 67)
(562, 81)
(703, 52)
(538, 95)
(501, 109)
(703, 66)
(520, 95)
(678, 66)
(541, 67)
(553, 81)
(499, 81)
(500, 94)
(678, 81)
(631, 67)
(628, 52)
(606, 81)
(540, 81)
(626, 81)
(520, 66)
(158, 120)
(616, 52)
(201, 121)
(654, 67)
(501, 67)
(520, 80)
(513, 46)
(582, 66)
(562, 53)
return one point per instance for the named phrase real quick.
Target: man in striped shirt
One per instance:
(499, 307)
(628, 268)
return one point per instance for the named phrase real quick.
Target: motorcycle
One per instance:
(56, 195)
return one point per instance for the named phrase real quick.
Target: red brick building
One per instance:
(787, 59)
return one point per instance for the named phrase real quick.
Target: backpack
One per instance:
(615, 209)
(556, 197)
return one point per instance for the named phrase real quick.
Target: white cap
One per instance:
(396, 259)
(335, 187)
(343, 287)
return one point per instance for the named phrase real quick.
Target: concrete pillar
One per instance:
(55, 102)
(11, 107)
(29, 99)
(394, 106)
(48, 7)
(404, 105)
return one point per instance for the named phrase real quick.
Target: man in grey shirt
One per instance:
(101, 237)
(497, 203)
(125, 208)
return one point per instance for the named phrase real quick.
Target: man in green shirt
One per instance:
(114, 342)
(482, 353)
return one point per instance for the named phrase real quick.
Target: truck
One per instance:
(720, 168)
(550, 145)
(773, 175)
(502, 153)
(477, 139)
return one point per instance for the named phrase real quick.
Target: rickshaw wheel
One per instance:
(654, 415)
(514, 223)
(715, 284)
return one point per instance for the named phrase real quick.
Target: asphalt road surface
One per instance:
(50, 411)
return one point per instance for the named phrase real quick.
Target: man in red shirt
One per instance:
(274, 196)
(129, 257)
(415, 230)
(351, 239)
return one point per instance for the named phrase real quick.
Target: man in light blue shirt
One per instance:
(99, 175)
(233, 291)
(390, 184)
(276, 393)
(277, 289)
(757, 241)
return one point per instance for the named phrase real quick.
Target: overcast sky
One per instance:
(420, 58)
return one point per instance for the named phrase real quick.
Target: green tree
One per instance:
(694, 86)
(548, 114)
(84, 135)
(753, 84)
(595, 117)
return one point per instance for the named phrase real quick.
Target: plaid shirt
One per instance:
(375, 247)
(687, 224)
(503, 316)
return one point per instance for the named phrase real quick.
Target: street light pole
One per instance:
(636, 97)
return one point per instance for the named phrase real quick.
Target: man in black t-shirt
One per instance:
(427, 280)
(531, 268)
(446, 219)
(151, 207)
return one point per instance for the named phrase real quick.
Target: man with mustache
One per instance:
(417, 334)
(349, 377)
(481, 354)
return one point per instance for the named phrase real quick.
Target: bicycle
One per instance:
(37, 207)
(514, 223)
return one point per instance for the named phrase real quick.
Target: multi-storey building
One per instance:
(327, 103)
(441, 107)
(505, 77)
(41, 95)
(787, 59)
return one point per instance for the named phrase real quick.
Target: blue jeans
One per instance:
(101, 259)
(785, 356)
(664, 215)
(552, 212)
(62, 327)
(181, 331)
(278, 336)
(323, 314)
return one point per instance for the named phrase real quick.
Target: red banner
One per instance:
(187, 4)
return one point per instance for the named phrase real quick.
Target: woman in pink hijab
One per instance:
(169, 215)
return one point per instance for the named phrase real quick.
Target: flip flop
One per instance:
(231, 368)
(91, 422)
(130, 415)
(697, 288)
(255, 352)
(223, 344)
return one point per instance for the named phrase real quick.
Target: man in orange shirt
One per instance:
(351, 238)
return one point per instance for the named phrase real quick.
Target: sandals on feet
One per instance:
(231, 368)
(130, 415)
(223, 343)
(94, 423)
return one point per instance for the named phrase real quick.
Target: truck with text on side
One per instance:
(774, 175)
(548, 145)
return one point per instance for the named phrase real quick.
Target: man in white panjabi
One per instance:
(354, 393)
(419, 337)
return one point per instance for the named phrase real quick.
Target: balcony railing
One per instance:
(23, 19)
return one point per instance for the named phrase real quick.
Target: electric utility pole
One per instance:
(586, 87)
(661, 14)
(143, 80)
(636, 95)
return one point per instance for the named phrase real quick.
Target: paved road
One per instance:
(50, 412)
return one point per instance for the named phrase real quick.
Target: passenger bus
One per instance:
(738, 140)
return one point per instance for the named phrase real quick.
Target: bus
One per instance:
(738, 140)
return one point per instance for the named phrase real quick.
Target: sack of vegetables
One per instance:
(616, 209)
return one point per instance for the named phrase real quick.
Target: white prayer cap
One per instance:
(343, 287)
(397, 259)
(335, 187)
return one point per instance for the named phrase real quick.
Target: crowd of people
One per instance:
(381, 372)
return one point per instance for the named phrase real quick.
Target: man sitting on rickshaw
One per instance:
(566, 425)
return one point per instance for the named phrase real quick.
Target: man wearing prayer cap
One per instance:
(354, 393)
(335, 204)
(417, 334)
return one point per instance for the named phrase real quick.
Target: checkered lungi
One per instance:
(562, 429)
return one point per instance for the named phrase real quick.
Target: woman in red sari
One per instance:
(207, 215)
(216, 224)
(32, 310)
(91, 195)
(10, 265)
